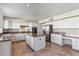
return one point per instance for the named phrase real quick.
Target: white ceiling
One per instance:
(37, 11)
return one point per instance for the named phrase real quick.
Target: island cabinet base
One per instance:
(36, 43)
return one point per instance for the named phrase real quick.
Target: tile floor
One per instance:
(21, 49)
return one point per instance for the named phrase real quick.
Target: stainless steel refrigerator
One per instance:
(48, 29)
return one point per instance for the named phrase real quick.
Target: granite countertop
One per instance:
(35, 35)
(61, 33)
(64, 35)
(3, 39)
(15, 32)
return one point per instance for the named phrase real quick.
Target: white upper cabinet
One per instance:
(75, 22)
(11, 24)
(58, 24)
(5, 24)
(8, 24)
(16, 25)
(1, 19)
(67, 23)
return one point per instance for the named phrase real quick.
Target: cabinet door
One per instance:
(75, 47)
(5, 24)
(53, 37)
(56, 38)
(75, 44)
(29, 40)
(5, 48)
(39, 43)
(19, 37)
(10, 24)
(42, 42)
(36, 43)
(59, 39)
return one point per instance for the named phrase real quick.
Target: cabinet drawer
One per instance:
(76, 47)
(75, 42)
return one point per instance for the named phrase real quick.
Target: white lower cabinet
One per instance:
(5, 48)
(19, 37)
(75, 44)
(36, 43)
(56, 38)
(28, 40)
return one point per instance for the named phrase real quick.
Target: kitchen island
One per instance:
(35, 42)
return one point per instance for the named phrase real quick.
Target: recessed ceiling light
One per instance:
(28, 5)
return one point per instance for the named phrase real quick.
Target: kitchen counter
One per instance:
(64, 35)
(16, 32)
(71, 36)
(60, 33)
(13, 36)
(2, 39)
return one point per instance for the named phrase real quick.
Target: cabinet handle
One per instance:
(40, 39)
